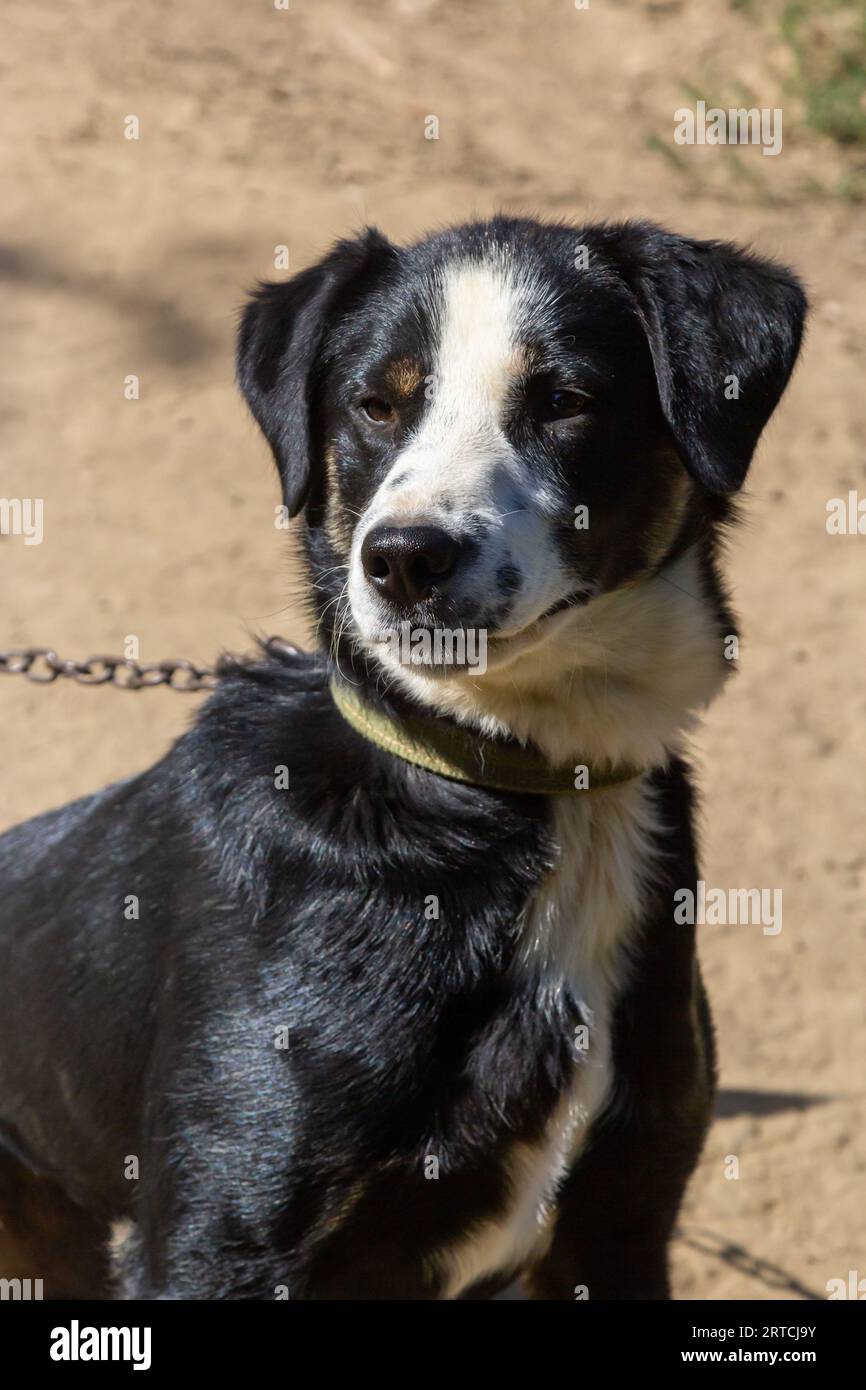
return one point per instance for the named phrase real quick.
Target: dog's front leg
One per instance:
(599, 1252)
(619, 1203)
(147, 1265)
(191, 1262)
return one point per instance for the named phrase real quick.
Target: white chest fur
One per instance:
(576, 934)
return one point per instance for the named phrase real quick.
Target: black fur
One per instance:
(262, 908)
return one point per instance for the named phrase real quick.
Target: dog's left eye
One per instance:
(380, 411)
(561, 404)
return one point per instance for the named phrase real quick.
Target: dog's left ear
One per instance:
(281, 331)
(724, 329)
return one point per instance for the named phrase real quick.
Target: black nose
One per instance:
(406, 563)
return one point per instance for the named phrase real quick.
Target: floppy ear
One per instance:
(280, 334)
(724, 329)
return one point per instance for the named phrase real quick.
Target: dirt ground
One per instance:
(262, 127)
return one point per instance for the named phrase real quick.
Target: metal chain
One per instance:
(739, 1258)
(42, 665)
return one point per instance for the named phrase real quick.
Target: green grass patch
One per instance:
(828, 41)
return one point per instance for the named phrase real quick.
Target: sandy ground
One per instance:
(259, 128)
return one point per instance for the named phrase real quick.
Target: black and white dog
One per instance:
(306, 1011)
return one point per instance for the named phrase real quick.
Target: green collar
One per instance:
(453, 751)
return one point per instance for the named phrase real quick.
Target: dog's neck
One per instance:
(621, 680)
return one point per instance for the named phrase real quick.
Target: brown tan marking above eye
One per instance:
(403, 377)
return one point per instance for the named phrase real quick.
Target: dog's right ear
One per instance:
(280, 334)
(716, 317)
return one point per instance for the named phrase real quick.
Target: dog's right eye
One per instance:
(561, 405)
(380, 411)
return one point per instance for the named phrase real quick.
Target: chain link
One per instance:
(42, 665)
(730, 1253)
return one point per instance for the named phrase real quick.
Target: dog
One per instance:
(372, 988)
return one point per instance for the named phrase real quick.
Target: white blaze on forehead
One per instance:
(480, 308)
(483, 308)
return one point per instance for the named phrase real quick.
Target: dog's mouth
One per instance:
(440, 649)
(572, 600)
(434, 649)
(539, 626)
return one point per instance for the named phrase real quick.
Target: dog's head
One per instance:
(493, 427)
